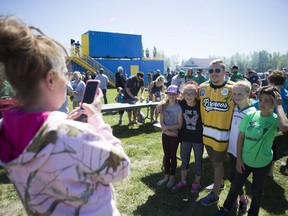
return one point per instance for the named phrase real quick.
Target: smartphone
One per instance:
(90, 91)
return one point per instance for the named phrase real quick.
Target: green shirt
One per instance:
(259, 135)
(236, 77)
(200, 79)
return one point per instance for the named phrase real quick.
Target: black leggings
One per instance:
(170, 146)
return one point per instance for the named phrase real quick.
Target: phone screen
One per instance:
(90, 92)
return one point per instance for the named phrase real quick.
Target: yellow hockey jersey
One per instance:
(216, 112)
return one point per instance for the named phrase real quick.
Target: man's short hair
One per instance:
(141, 74)
(218, 61)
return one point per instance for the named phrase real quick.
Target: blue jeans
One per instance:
(185, 152)
(259, 176)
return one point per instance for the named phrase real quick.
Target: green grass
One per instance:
(138, 194)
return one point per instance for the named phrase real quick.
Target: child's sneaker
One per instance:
(120, 122)
(171, 182)
(209, 199)
(195, 187)
(211, 186)
(243, 206)
(222, 212)
(179, 185)
(162, 181)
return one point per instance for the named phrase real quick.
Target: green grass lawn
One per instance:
(139, 194)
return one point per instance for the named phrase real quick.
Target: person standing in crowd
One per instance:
(216, 112)
(170, 120)
(78, 89)
(147, 52)
(155, 91)
(77, 49)
(158, 73)
(88, 75)
(154, 52)
(200, 78)
(241, 93)
(190, 136)
(133, 86)
(236, 75)
(189, 76)
(58, 166)
(253, 77)
(178, 79)
(103, 83)
(119, 78)
(254, 148)
(265, 82)
(168, 77)
(119, 99)
(149, 77)
(227, 76)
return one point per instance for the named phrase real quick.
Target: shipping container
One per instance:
(111, 45)
(131, 67)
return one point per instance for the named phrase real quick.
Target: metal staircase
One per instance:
(90, 64)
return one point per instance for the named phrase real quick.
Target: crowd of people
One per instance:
(224, 113)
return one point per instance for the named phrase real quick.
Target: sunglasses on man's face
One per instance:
(217, 70)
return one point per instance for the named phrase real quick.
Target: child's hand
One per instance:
(276, 97)
(240, 166)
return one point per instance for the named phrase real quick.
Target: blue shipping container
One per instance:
(114, 45)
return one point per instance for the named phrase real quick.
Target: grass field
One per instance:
(139, 194)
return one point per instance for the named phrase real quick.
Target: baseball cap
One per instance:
(199, 70)
(234, 67)
(181, 74)
(173, 89)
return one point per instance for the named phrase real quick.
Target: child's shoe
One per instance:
(162, 181)
(180, 185)
(171, 182)
(120, 122)
(243, 206)
(195, 187)
(210, 199)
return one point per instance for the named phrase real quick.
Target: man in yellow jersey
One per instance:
(216, 111)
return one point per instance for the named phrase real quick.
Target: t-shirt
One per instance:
(238, 115)
(103, 81)
(236, 77)
(170, 114)
(120, 98)
(134, 85)
(192, 128)
(259, 135)
(216, 108)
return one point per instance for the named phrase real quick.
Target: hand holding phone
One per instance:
(90, 92)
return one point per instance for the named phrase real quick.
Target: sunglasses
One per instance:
(217, 70)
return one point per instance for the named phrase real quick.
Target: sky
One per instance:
(183, 28)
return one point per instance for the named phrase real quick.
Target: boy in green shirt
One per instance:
(254, 148)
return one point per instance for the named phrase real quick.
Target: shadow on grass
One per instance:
(3, 177)
(166, 201)
(123, 131)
